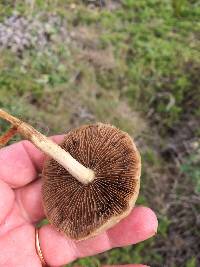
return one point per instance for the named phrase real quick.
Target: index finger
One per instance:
(21, 162)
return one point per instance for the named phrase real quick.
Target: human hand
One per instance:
(21, 208)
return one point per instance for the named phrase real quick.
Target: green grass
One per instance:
(191, 262)
(154, 50)
(191, 169)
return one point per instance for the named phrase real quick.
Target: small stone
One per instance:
(4, 40)
(9, 32)
(49, 29)
(25, 42)
(14, 48)
(195, 145)
(16, 39)
(19, 33)
(73, 6)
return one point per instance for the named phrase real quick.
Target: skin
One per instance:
(21, 208)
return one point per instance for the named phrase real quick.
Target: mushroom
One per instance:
(90, 181)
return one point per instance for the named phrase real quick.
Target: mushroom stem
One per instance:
(77, 170)
(7, 136)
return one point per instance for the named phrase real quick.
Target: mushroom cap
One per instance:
(84, 210)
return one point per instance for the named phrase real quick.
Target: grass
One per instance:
(191, 169)
(136, 67)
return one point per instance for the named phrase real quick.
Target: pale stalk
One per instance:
(77, 170)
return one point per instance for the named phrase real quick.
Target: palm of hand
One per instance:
(21, 208)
